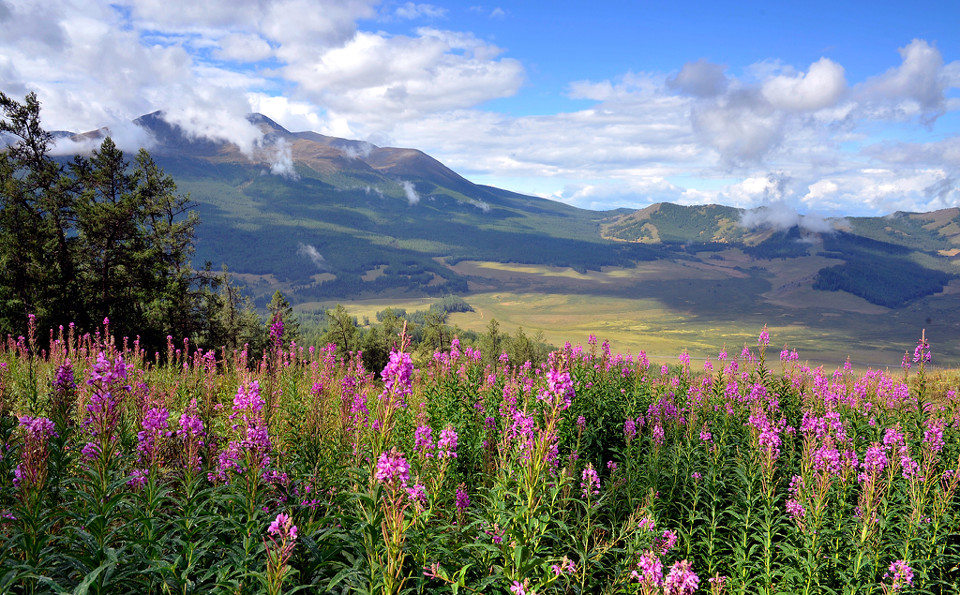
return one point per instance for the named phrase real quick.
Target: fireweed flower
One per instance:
(418, 494)
(646, 524)
(764, 339)
(921, 354)
(423, 441)
(590, 484)
(566, 566)
(462, 499)
(283, 528)
(933, 436)
(31, 472)
(397, 378)
(103, 411)
(560, 387)
(250, 449)
(649, 572)
(63, 388)
(900, 574)
(629, 429)
(280, 540)
(192, 435)
(665, 542)
(154, 429)
(447, 444)
(276, 329)
(681, 579)
(392, 468)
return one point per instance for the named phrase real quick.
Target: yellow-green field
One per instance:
(643, 323)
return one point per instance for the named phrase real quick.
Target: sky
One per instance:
(839, 108)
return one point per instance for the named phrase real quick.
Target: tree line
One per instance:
(100, 237)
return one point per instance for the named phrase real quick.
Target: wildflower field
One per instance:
(195, 471)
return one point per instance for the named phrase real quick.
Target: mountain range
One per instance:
(326, 219)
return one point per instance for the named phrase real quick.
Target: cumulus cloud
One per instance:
(97, 64)
(914, 88)
(381, 79)
(411, 192)
(635, 193)
(820, 87)
(740, 126)
(819, 190)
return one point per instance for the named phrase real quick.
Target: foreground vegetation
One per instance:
(214, 471)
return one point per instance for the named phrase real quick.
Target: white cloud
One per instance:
(740, 126)
(379, 79)
(819, 190)
(411, 192)
(914, 88)
(820, 87)
(412, 10)
(282, 162)
(311, 253)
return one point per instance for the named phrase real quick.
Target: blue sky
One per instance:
(832, 108)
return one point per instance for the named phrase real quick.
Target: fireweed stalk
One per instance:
(279, 543)
(531, 480)
(30, 478)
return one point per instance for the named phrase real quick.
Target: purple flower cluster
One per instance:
(901, 575)
(590, 484)
(665, 542)
(392, 468)
(155, 428)
(447, 444)
(103, 411)
(250, 450)
(681, 579)
(560, 387)
(276, 329)
(398, 378)
(418, 494)
(283, 528)
(64, 381)
(462, 500)
(192, 435)
(921, 354)
(31, 472)
(566, 566)
(649, 571)
(423, 441)
(282, 534)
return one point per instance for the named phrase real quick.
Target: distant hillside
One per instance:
(326, 218)
(667, 222)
